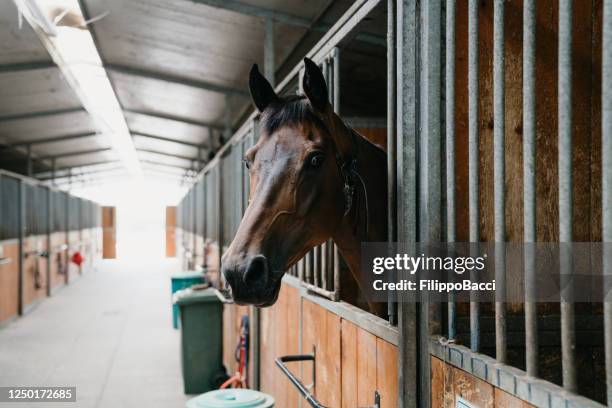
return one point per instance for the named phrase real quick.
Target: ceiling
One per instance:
(178, 68)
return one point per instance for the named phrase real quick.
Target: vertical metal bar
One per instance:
(450, 148)
(430, 172)
(566, 218)
(22, 225)
(409, 367)
(499, 174)
(606, 171)
(336, 106)
(391, 146)
(529, 186)
(316, 267)
(474, 211)
(48, 232)
(29, 159)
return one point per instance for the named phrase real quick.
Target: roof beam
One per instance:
(192, 159)
(27, 66)
(79, 153)
(50, 140)
(40, 114)
(85, 173)
(175, 118)
(174, 166)
(194, 83)
(283, 18)
(257, 11)
(166, 139)
(87, 165)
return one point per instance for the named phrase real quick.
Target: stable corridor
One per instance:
(109, 333)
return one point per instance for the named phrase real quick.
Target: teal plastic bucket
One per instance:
(232, 398)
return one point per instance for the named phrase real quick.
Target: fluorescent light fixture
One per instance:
(75, 53)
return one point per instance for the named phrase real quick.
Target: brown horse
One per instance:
(311, 177)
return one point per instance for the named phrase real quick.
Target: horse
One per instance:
(312, 178)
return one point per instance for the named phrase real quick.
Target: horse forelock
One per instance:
(289, 111)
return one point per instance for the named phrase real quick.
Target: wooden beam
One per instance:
(27, 66)
(49, 140)
(40, 114)
(166, 139)
(194, 83)
(79, 153)
(166, 116)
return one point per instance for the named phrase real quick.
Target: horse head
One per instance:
(297, 198)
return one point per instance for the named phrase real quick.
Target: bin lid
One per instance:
(186, 275)
(232, 397)
(189, 296)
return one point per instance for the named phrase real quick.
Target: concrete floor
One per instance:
(109, 334)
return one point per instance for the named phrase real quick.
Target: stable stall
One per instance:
(450, 94)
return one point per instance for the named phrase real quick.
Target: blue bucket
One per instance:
(232, 398)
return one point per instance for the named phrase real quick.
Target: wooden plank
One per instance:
(386, 373)
(437, 382)
(171, 231)
(505, 400)
(321, 330)
(9, 283)
(366, 368)
(470, 388)
(349, 364)
(109, 233)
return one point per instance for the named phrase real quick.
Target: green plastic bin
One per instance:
(201, 337)
(232, 397)
(182, 280)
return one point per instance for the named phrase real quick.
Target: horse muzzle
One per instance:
(251, 283)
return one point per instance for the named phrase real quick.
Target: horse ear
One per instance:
(261, 90)
(314, 85)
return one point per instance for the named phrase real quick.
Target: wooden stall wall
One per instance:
(9, 281)
(58, 258)
(351, 363)
(171, 231)
(449, 383)
(109, 233)
(74, 246)
(280, 335)
(34, 271)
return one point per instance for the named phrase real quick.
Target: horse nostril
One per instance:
(257, 270)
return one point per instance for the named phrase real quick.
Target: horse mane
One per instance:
(287, 111)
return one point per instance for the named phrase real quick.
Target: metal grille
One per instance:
(9, 207)
(59, 199)
(74, 213)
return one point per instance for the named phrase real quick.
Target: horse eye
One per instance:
(246, 163)
(317, 160)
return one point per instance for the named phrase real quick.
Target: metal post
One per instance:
(450, 148)
(391, 146)
(336, 106)
(409, 368)
(499, 178)
(22, 226)
(29, 153)
(269, 57)
(606, 171)
(566, 216)
(430, 171)
(529, 186)
(474, 213)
